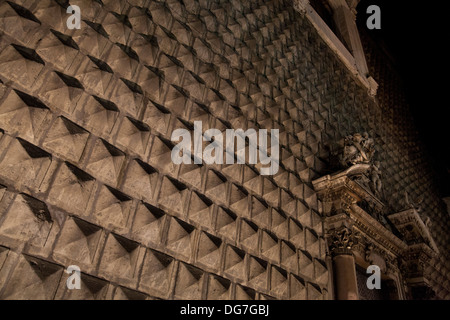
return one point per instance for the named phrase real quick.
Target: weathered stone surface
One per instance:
(32, 278)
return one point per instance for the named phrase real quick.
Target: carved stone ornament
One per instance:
(414, 230)
(357, 157)
(343, 240)
(358, 148)
(340, 192)
(357, 222)
(301, 5)
(409, 203)
(375, 257)
(392, 265)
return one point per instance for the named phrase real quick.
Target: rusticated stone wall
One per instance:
(86, 176)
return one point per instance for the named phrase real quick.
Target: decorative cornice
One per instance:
(342, 187)
(411, 225)
(376, 231)
(345, 193)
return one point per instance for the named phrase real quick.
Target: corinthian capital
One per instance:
(343, 240)
(301, 5)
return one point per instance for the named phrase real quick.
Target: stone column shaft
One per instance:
(342, 241)
(345, 277)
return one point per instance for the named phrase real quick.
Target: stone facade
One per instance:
(86, 176)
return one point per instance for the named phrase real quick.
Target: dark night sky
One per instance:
(415, 34)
